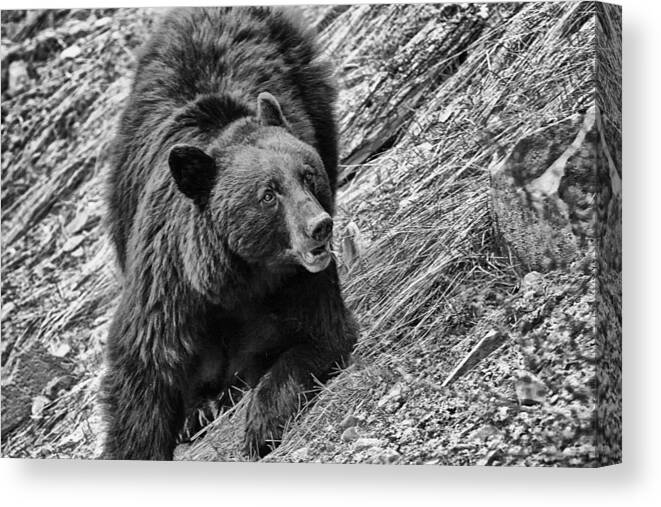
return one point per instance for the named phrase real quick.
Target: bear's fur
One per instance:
(220, 197)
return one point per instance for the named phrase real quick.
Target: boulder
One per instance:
(30, 380)
(543, 193)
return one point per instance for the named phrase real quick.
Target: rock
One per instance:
(502, 414)
(394, 399)
(7, 308)
(24, 378)
(349, 421)
(543, 193)
(18, 76)
(387, 457)
(101, 22)
(367, 443)
(38, 405)
(409, 435)
(78, 223)
(569, 434)
(72, 243)
(531, 280)
(79, 29)
(350, 434)
(491, 458)
(301, 454)
(71, 52)
(529, 389)
(484, 432)
(60, 350)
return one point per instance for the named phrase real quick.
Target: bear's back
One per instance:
(238, 51)
(223, 58)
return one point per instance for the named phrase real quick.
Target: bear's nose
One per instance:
(321, 227)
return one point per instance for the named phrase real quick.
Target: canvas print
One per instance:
(385, 234)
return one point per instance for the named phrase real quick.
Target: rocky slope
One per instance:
(480, 230)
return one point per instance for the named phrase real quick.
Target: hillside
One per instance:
(479, 229)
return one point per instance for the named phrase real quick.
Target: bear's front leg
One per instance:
(323, 334)
(141, 390)
(144, 413)
(278, 396)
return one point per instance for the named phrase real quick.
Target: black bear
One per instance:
(220, 201)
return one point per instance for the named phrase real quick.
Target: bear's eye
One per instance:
(308, 177)
(268, 197)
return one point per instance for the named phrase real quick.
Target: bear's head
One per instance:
(264, 193)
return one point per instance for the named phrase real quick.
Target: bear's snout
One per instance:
(320, 228)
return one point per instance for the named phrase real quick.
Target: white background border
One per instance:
(636, 482)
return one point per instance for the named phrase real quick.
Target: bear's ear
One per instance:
(193, 171)
(269, 113)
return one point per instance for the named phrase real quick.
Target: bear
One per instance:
(221, 195)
